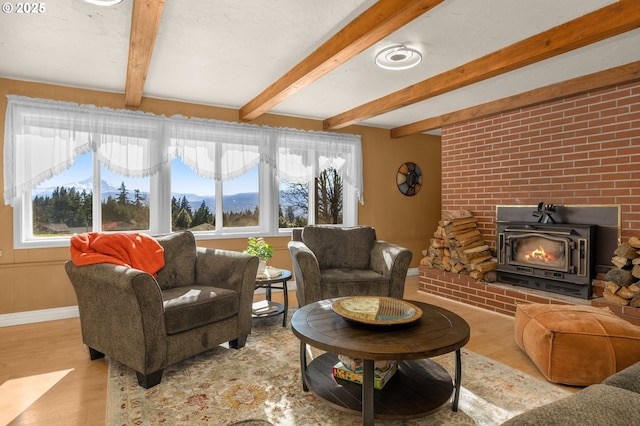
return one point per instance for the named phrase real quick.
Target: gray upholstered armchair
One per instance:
(333, 262)
(201, 298)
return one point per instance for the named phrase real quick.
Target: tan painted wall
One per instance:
(35, 279)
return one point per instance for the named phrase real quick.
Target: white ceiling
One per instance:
(226, 52)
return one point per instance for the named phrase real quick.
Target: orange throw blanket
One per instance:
(138, 251)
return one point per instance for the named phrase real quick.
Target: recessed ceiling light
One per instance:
(398, 57)
(104, 2)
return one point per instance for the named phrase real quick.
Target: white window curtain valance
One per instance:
(43, 137)
(216, 149)
(303, 156)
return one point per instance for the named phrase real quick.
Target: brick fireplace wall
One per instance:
(583, 150)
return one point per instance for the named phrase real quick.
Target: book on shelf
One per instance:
(263, 307)
(380, 378)
(269, 273)
(357, 364)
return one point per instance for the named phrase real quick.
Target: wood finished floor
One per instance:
(46, 377)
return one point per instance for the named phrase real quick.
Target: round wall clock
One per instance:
(409, 179)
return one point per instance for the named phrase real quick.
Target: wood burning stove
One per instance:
(558, 258)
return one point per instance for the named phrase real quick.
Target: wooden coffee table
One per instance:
(420, 386)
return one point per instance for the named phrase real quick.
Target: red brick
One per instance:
(452, 286)
(506, 300)
(632, 320)
(487, 295)
(496, 304)
(480, 300)
(462, 295)
(509, 310)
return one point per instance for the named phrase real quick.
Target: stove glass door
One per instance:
(540, 251)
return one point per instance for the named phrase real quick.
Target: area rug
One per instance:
(261, 384)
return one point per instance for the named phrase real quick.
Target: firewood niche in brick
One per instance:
(622, 285)
(457, 246)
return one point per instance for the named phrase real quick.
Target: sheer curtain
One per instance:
(303, 155)
(216, 149)
(43, 137)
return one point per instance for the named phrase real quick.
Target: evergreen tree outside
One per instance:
(202, 216)
(123, 198)
(175, 209)
(184, 205)
(67, 211)
(86, 209)
(183, 221)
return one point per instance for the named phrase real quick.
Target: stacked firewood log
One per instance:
(457, 246)
(622, 283)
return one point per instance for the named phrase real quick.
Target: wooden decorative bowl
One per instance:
(376, 310)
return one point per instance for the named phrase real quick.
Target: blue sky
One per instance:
(184, 180)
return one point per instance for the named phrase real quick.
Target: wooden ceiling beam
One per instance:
(599, 80)
(145, 21)
(377, 22)
(601, 24)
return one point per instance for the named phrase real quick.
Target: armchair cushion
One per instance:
(340, 248)
(194, 306)
(179, 260)
(344, 282)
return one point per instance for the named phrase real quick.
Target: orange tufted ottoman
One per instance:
(576, 345)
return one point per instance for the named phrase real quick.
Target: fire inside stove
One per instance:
(543, 253)
(535, 250)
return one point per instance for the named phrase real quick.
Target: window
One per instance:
(188, 192)
(293, 211)
(241, 201)
(325, 203)
(193, 200)
(158, 174)
(328, 197)
(63, 204)
(124, 202)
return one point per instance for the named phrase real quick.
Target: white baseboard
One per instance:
(29, 317)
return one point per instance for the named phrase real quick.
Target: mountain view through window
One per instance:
(64, 204)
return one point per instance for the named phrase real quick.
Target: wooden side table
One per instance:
(278, 283)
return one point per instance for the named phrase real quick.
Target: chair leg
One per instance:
(238, 343)
(93, 354)
(149, 380)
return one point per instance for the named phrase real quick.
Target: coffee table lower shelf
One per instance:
(419, 388)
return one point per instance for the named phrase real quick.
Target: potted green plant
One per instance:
(257, 246)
